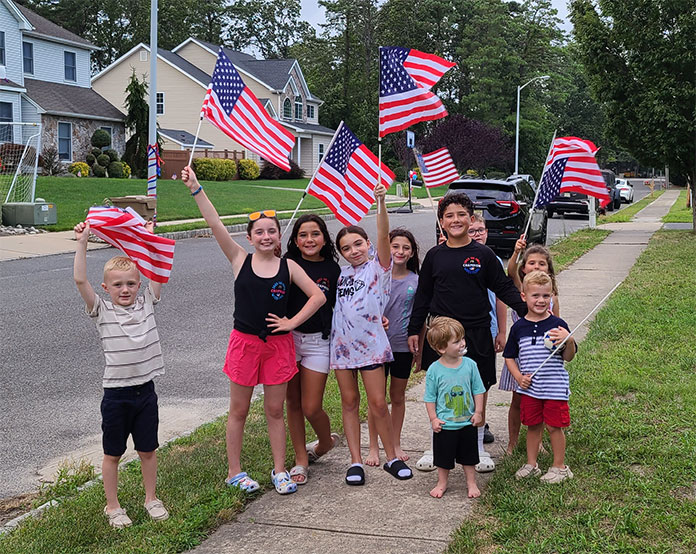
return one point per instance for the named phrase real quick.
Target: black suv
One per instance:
(505, 205)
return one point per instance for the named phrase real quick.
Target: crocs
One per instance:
(426, 463)
(485, 465)
(282, 482)
(156, 510)
(243, 482)
(118, 519)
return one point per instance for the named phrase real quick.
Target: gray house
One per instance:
(45, 78)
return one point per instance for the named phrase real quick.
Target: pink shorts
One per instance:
(251, 361)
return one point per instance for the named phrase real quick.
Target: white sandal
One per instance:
(426, 463)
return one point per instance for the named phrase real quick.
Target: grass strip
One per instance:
(679, 213)
(632, 441)
(626, 214)
(569, 249)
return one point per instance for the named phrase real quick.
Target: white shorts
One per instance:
(312, 351)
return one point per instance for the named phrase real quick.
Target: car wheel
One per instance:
(617, 203)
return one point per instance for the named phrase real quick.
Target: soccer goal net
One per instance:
(19, 159)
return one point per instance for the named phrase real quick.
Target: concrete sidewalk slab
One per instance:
(44, 244)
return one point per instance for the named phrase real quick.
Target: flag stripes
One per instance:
(426, 69)
(438, 168)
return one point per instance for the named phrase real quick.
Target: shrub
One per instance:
(98, 170)
(79, 167)
(103, 160)
(205, 168)
(90, 159)
(115, 170)
(271, 171)
(126, 170)
(248, 170)
(50, 162)
(96, 152)
(100, 138)
(113, 155)
(227, 170)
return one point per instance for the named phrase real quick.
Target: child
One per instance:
(544, 398)
(310, 245)
(454, 397)
(536, 257)
(404, 250)
(359, 344)
(261, 348)
(133, 356)
(454, 281)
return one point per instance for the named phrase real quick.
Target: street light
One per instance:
(517, 124)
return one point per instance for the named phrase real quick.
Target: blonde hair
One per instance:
(539, 278)
(119, 263)
(442, 330)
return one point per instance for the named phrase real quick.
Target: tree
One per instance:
(137, 123)
(641, 66)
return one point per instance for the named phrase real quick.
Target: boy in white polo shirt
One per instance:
(133, 357)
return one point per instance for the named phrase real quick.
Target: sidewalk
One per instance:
(390, 516)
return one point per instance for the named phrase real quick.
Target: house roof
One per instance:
(43, 26)
(71, 101)
(6, 83)
(185, 66)
(310, 127)
(184, 138)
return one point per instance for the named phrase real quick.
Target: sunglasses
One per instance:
(263, 213)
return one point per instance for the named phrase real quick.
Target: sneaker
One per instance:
(527, 470)
(156, 510)
(488, 437)
(118, 519)
(557, 474)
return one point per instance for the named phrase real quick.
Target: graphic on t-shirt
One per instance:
(323, 284)
(459, 402)
(348, 286)
(278, 290)
(472, 265)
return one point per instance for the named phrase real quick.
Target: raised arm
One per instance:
(234, 252)
(383, 248)
(80, 265)
(520, 245)
(315, 300)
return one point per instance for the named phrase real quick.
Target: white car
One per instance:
(625, 189)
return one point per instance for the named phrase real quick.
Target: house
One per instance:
(183, 76)
(45, 78)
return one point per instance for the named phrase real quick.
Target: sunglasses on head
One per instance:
(263, 213)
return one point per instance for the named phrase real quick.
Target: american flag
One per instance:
(125, 229)
(406, 77)
(347, 176)
(571, 167)
(437, 168)
(231, 106)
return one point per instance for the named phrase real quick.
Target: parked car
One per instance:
(571, 202)
(505, 206)
(527, 177)
(625, 189)
(614, 193)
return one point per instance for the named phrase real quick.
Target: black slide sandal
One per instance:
(397, 466)
(355, 471)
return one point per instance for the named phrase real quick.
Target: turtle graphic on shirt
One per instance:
(459, 402)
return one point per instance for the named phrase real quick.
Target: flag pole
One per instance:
(195, 140)
(152, 160)
(379, 137)
(292, 218)
(576, 328)
(419, 159)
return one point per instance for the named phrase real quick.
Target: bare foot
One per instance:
(474, 491)
(401, 454)
(372, 458)
(439, 490)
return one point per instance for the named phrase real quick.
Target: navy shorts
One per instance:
(456, 445)
(401, 366)
(129, 411)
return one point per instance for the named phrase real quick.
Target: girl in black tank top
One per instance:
(260, 350)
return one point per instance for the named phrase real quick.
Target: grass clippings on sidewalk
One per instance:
(569, 249)
(679, 213)
(627, 213)
(632, 440)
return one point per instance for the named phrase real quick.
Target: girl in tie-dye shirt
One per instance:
(359, 344)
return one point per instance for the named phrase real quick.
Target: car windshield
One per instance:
(482, 194)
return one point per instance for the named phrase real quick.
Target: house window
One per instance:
(5, 117)
(310, 112)
(298, 107)
(321, 151)
(160, 103)
(143, 55)
(70, 66)
(108, 130)
(65, 141)
(2, 47)
(28, 54)
(287, 109)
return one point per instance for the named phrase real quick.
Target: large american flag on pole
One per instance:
(571, 167)
(125, 229)
(231, 106)
(437, 168)
(406, 77)
(347, 176)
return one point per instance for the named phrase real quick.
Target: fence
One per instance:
(173, 161)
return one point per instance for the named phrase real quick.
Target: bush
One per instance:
(79, 167)
(271, 171)
(227, 170)
(100, 138)
(98, 170)
(103, 160)
(115, 170)
(126, 170)
(113, 155)
(248, 170)
(50, 162)
(96, 152)
(205, 168)
(91, 160)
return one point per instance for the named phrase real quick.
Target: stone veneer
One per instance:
(82, 131)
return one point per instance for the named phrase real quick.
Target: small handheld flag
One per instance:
(437, 168)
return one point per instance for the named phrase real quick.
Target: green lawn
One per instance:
(679, 213)
(569, 249)
(632, 441)
(627, 213)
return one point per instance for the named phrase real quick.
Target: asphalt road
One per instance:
(52, 362)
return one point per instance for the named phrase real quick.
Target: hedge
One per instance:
(79, 167)
(214, 169)
(248, 169)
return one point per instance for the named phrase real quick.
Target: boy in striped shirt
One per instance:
(545, 396)
(133, 358)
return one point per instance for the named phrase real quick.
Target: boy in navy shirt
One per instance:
(544, 396)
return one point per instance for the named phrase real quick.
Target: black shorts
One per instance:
(129, 411)
(456, 445)
(480, 348)
(401, 366)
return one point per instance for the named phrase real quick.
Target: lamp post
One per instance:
(517, 124)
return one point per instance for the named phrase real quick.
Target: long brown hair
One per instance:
(413, 264)
(538, 249)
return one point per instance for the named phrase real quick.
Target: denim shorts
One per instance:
(312, 351)
(129, 411)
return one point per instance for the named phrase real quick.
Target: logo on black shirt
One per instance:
(323, 284)
(348, 286)
(472, 265)
(278, 290)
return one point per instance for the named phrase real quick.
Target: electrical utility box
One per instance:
(29, 213)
